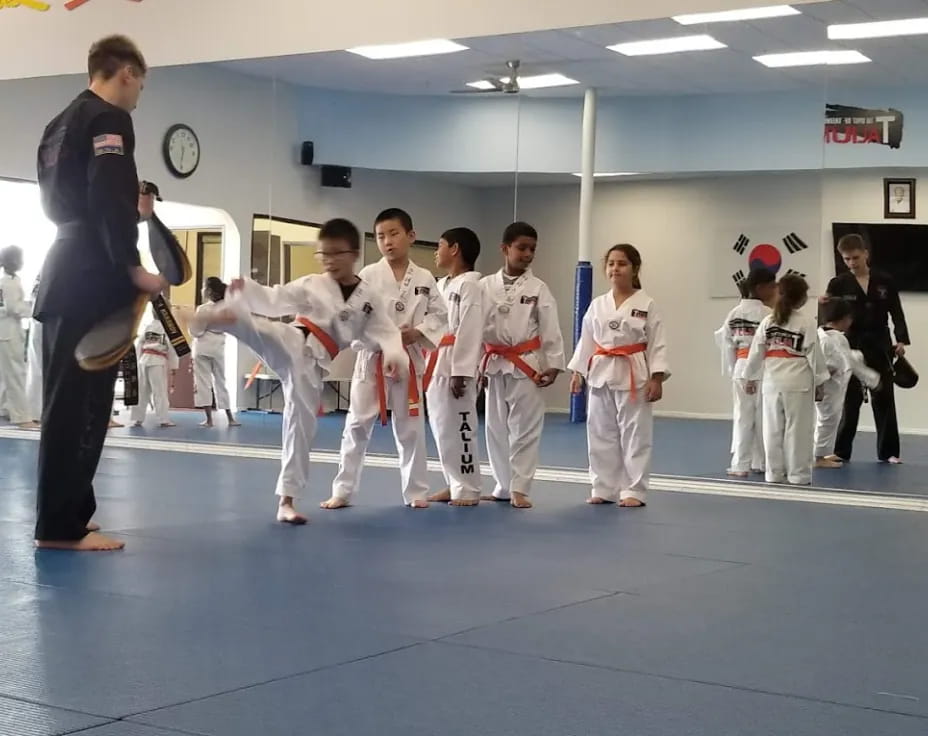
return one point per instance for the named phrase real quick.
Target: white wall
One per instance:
(674, 224)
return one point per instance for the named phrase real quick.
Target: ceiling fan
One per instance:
(507, 84)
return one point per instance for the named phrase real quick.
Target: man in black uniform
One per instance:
(90, 190)
(873, 299)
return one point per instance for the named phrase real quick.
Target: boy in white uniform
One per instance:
(420, 314)
(449, 381)
(842, 363)
(734, 339)
(622, 354)
(334, 310)
(209, 361)
(156, 360)
(523, 353)
(13, 309)
(787, 353)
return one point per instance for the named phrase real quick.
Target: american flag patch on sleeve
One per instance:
(108, 143)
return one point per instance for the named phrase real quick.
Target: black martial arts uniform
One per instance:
(90, 190)
(870, 334)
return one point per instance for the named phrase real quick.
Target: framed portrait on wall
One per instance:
(899, 199)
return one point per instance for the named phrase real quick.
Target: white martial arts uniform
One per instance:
(521, 327)
(789, 357)
(734, 339)
(13, 309)
(454, 421)
(209, 367)
(842, 363)
(619, 350)
(34, 364)
(301, 357)
(156, 357)
(412, 302)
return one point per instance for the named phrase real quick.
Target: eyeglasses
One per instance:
(329, 255)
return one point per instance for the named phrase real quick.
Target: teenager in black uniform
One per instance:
(90, 190)
(873, 299)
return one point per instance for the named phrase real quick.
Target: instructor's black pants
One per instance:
(884, 417)
(76, 414)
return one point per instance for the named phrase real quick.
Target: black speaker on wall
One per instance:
(336, 176)
(306, 153)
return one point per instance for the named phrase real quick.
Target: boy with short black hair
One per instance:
(523, 353)
(419, 312)
(449, 379)
(333, 310)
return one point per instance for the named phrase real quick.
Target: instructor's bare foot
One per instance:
(464, 502)
(93, 526)
(336, 502)
(93, 542)
(597, 500)
(419, 503)
(286, 514)
(441, 497)
(520, 501)
(631, 503)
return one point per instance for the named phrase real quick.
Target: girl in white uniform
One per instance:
(156, 361)
(419, 312)
(787, 353)
(334, 310)
(734, 339)
(523, 353)
(622, 354)
(209, 360)
(13, 309)
(450, 375)
(842, 363)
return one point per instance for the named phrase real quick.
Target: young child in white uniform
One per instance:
(209, 361)
(419, 312)
(450, 384)
(13, 309)
(787, 353)
(622, 355)
(334, 310)
(734, 339)
(523, 353)
(157, 364)
(842, 363)
(34, 365)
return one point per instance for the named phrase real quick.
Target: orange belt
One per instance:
(621, 351)
(446, 342)
(742, 353)
(382, 389)
(149, 351)
(781, 354)
(512, 353)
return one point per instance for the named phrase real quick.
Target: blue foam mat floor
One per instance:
(696, 615)
(683, 447)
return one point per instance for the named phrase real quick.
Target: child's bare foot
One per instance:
(464, 501)
(737, 473)
(93, 526)
(824, 462)
(286, 514)
(336, 502)
(419, 503)
(631, 503)
(520, 501)
(28, 425)
(207, 423)
(597, 500)
(234, 423)
(441, 496)
(93, 542)
(167, 425)
(117, 425)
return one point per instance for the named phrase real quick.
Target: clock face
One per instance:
(181, 150)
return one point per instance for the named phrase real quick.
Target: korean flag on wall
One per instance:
(780, 249)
